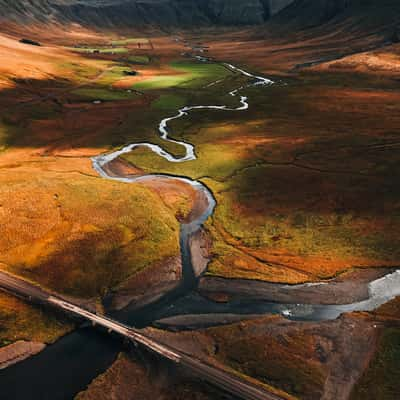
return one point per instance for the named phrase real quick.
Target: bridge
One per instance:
(218, 377)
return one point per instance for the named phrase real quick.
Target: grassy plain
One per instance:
(139, 59)
(325, 139)
(107, 50)
(79, 234)
(185, 74)
(306, 183)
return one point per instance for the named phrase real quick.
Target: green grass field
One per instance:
(190, 75)
(21, 321)
(103, 94)
(129, 41)
(101, 89)
(139, 59)
(169, 102)
(99, 50)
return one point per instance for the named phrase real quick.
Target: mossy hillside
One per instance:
(113, 74)
(81, 71)
(99, 50)
(381, 380)
(100, 233)
(284, 363)
(127, 376)
(20, 321)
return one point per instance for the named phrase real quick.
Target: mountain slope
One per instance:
(142, 12)
(293, 15)
(373, 15)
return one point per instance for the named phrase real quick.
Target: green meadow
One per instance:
(104, 94)
(139, 59)
(100, 50)
(189, 75)
(129, 41)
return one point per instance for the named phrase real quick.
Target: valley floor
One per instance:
(306, 184)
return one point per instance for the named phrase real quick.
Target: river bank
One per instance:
(18, 351)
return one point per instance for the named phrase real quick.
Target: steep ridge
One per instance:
(130, 13)
(295, 14)
(373, 16)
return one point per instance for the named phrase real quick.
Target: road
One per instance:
(216, 376)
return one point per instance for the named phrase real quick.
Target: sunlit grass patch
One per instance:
(103, 94)
(82, 72)
(99, 50)
(128, 41)
(139, 59)
(108, 232)
(208, 163)
(20, 321)
(113, 75)
(189, 75)
(169, 102)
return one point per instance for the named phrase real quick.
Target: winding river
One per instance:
(68, 366)
(380, 291)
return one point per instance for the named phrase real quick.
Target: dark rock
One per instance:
(29, 41)
(395, 37)
(130, 73)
